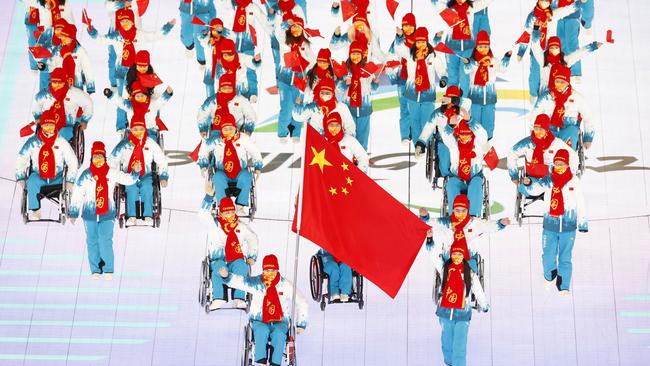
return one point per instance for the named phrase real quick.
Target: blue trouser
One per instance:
(484, 114)
(142, 190)
(238, 267)
(474, 192)
(534, 77)
(419, 114)
(362, 125)
(244, 180)
(31, 41)
(556, 255)
(481, 22)
(568, 29)
(251, 75)
(404, 117)
(43, 79)
(121, 121)
(569, 134)
(277, 333)
(196, 32)
(444, 158)
(454, 341)
(275, 50)
(340, 276)
(456, 74)
(112, 59)
(99, 239)
(288, 95)
(187, 36)
(34, 185)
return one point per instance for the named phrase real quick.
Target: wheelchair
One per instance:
(58, 194)
(233, 191)
(581, 155)
(119, 196)
(317, 277)
(521, 202)
(78, 141)
(437, 283)
(444, 210)
(205, 289)
(432, 168)
(249, 343)
(159, 139)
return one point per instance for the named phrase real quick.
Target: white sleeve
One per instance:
(86, 67)
(238, 282)
(302, 310)
(248, 111)
(159, 157)
(252, 242)
(346, 117)
(359, 153)
(78, 195)
(70, 160)
(477, 289)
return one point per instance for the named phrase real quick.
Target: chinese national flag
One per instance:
(299, 83)
(442, 47)
(142, 6)
(40, 52)
(197, 21)
(523, 38)
(347, 10)
(150, 80)
(346, 213)
(340, 68)
(491, 158)
(391, 6)
(450, 17)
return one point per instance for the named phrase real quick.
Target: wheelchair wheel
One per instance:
(157, 201)
(581, 156)
(252, 208)
(203, 285)
(78, 142)
(431, 157)
(23, 206)
(316, 278)
(437, 289)
(519, 208)
(248, 346)
(444, 212)
(486, 198)
(359, 281)
(161, 141)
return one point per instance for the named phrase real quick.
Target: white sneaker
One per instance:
(96, 276)
(108, 276)
(335, 297)
(239, 304)
(241, 210)
(35, 215)
(253, 99)
(216, 304)
(406, 142)
(148, 221)
(189, 53)
(533, 100)
(548, 284)
(565, 293)
(345, 298)
(130, 221)
(296, 140)
(283, 140)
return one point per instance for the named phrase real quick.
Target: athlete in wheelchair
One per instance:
(537, 152)
(271, 326)
(142, 199)
(453, 109)
(233, 163)
(343, 283)
(232, 244)
(46, 167)
(72, 109)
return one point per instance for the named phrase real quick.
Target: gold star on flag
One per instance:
(319, 159)
(344, 190)
(349, 180)
(332, 190)
(344, 166)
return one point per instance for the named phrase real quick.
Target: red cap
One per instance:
(422, 34)
(137, 87)
(270, 262)
(299, 21)
(408, 19)
(216, 22)
(453, 91)
(98, 148)
(137, 121)
(60, 23)
(457, 248)
(227, 45)
(124, 13)
(562, 155)
(483, 38)
(227, 79)
(48, 117)
(325, 84)
(324, 55)
(357, 46)
(142, 58)
(554, 41)
(559, 71)
(542, 121)
(58, 75)
(361, 18)
(226, 204)
(227, 119)
(461, 201)
(69, 30)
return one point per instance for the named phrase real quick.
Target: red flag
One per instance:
(313, 33)
(253, 34)
(340, 69)
(294, 59)
(194, 155)
(491, 158)
(142, 6)
(442, 47)
(273, 90)
(161, 125)
(197, 21)
(39, 30)
(609, 37)
(523, 38)
(27, 130)
(391, 6)
(150, 80)
(80, 112)
(391, 64)
(450, 17)
(347, 10)
(40, 52)
(299, 82)
(338, 199)
(84, 17)
(371, 68)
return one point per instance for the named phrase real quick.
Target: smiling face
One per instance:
(268, 275)
(408, 29)
(126, 24)
(48, 128)
(544, 4)
(559, 167)
(539, 132)
(228, 216)
(98, 160)
(334, 128)
(296, 30)
(457, 257)
(355, 57)
(560, 85)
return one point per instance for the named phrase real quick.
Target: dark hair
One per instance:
(311, 74)
(291, 40)
(429, 47)
(451, 3)
(467, 276)
(363, 62)
(132, 76)
(562, 60)
(42, 2)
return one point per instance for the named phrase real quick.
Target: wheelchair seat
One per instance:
(317, 277)
(205, 289)
(289, 353)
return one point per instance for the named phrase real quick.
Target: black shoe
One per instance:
(291, 128)
(190, 47)
(558, 283)
(262, 361)
(202, 63)
(101, 265)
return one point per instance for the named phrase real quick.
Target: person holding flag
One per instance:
(565, 213)
(92, 199)
(454, 310)
(357, 86)
(47, 154)
(203, 10)
(112, 6)
(280, 11)
(232, 244)
(538, 151)
(270, 313)
(296, 59)
(404, 36)
(361, 33)
(139, 151)
(143, 72)
(323, 69)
